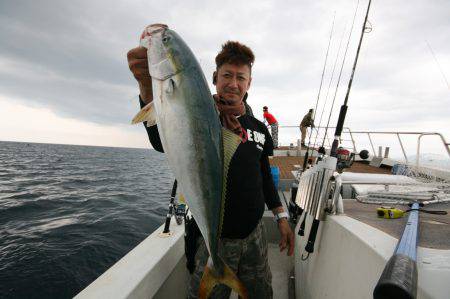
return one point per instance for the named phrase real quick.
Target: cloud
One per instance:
(70, 57)
(24, 123)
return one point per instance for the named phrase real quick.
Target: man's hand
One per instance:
(138, 64)
(287, 236)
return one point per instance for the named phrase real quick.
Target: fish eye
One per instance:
(166, 39)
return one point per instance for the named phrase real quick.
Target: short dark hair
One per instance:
(234, 52)
(265, 108)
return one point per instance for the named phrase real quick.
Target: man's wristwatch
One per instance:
(281, 215)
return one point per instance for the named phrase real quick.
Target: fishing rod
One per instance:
(340, 74)
(329, 85)
(171, 208)
(305, 158)
(340, 124)
(301, 231)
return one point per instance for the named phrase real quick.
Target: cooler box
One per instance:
(275, 175)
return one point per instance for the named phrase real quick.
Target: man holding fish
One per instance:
(219, 155)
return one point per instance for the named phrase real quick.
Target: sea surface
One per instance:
(68, 213)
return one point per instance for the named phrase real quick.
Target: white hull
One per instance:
(350, 256)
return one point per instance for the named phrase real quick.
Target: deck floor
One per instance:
(281, 266)
(434, 230)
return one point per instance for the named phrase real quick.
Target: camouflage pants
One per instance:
(274, 133)
(246, 257)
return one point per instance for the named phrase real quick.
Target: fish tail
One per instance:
(210, 280)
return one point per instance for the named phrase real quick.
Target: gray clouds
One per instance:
(70, 56)
(56, 55)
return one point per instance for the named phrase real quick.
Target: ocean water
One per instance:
(68, 213)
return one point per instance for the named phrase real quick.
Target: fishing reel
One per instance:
(180, 212)
(345, 159)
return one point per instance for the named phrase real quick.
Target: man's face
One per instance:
(233, 81)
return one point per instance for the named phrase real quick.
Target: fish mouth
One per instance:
(156, 39)
(154, 29)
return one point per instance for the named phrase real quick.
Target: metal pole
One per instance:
(353, 140)
(418, 151)
(403, 149)
(371, 143)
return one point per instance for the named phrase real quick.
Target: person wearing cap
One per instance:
(271, 120)
(307, 121)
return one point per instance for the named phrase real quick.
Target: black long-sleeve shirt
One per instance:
(250, 184)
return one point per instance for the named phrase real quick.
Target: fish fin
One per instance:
(169, 86)
(210, 280)
(230, 143)
(147, 114)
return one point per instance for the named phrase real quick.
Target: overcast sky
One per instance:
(64, 76)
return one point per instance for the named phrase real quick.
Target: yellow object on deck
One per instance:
(389, 212)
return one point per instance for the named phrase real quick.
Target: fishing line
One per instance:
(329, 84)
(305, 158)
(320, 88)
(439, 66)
(340, 72)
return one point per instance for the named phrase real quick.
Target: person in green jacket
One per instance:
(307, 121)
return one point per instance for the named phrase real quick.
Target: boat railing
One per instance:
(324, 135)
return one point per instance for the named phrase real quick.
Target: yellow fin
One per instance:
(230, 143)
(210, 280)
(147, 114)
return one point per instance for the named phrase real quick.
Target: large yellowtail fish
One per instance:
(198, 148)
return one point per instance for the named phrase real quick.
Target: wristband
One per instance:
(281, 215)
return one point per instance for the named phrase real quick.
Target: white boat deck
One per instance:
(280, 265)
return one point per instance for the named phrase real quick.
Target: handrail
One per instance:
(431, 133)
(395, 133)
(444, 142)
